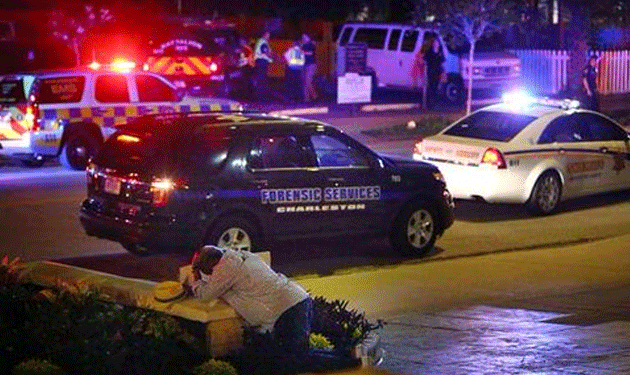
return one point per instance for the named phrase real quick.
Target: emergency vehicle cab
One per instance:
(176, 182)
(536, 152)
(69, 113)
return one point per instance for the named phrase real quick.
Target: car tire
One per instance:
(415, 230)
(136, 249)
(236, 233)
(454, 90)
(545, 195)
(77, 151)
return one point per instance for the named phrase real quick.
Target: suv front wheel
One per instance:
(415, 231)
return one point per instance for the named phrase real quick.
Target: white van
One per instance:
(394, 54)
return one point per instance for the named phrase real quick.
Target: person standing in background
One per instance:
(589, 84)
(310, 68)
(295, 59)
(262, 58)
(434, 58)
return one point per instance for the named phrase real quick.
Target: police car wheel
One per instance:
(415, 231)
(234, 233)
(545, 194)
(77, 151)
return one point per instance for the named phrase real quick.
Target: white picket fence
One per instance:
(545, 71)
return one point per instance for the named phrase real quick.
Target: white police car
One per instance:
(536, 152)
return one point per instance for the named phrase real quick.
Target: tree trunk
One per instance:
(578, 46)
(470, 76)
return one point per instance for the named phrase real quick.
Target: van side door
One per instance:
(408, 60)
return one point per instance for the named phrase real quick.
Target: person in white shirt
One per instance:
(266, 300)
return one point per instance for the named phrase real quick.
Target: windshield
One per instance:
(494, 126)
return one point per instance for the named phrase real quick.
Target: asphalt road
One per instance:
(39, 211)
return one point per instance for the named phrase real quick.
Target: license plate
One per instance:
(112, 185)
(129, 209)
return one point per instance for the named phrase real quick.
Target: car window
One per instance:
(206, 148)
(60, 90)
(394, 37)
(566, 128)
(490, 125)
(111, 88)
(12, 91)
(374, 38)
(151, 89)
(602, 129)
(345, 36)
(332, 152)
(279, 151)
(410, 37)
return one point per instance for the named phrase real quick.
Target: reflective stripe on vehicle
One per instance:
(116, 115)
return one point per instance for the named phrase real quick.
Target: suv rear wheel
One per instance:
(77, 150)
(235, 233)
(415, 231)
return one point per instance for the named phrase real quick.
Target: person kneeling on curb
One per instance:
(264, 298)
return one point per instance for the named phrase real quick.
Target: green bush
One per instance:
(215, 367)
(319, 341)
(345, 328)
(69, 325)
(37, 367)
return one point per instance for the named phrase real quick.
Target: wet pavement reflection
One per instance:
(496, 340)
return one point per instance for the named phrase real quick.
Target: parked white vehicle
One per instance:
(70, 113)
(536, 152)
(394, 54)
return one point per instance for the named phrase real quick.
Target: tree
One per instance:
(465, 22)
(73, 29)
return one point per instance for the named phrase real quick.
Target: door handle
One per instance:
(336, 179)
(260, 182)
(603, 149)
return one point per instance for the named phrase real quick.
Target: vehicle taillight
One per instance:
(30, 117)
(494, 157)
(90, 176)
(162, 188)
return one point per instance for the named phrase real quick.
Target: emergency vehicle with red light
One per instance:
(70, 113)
(536, 152)
(197, 57)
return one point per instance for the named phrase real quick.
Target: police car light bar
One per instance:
(520, 98)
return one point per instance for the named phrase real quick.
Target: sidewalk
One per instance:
(562, 310)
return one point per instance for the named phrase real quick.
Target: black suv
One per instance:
(175, 182)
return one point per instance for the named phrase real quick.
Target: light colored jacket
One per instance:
(251, 287)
